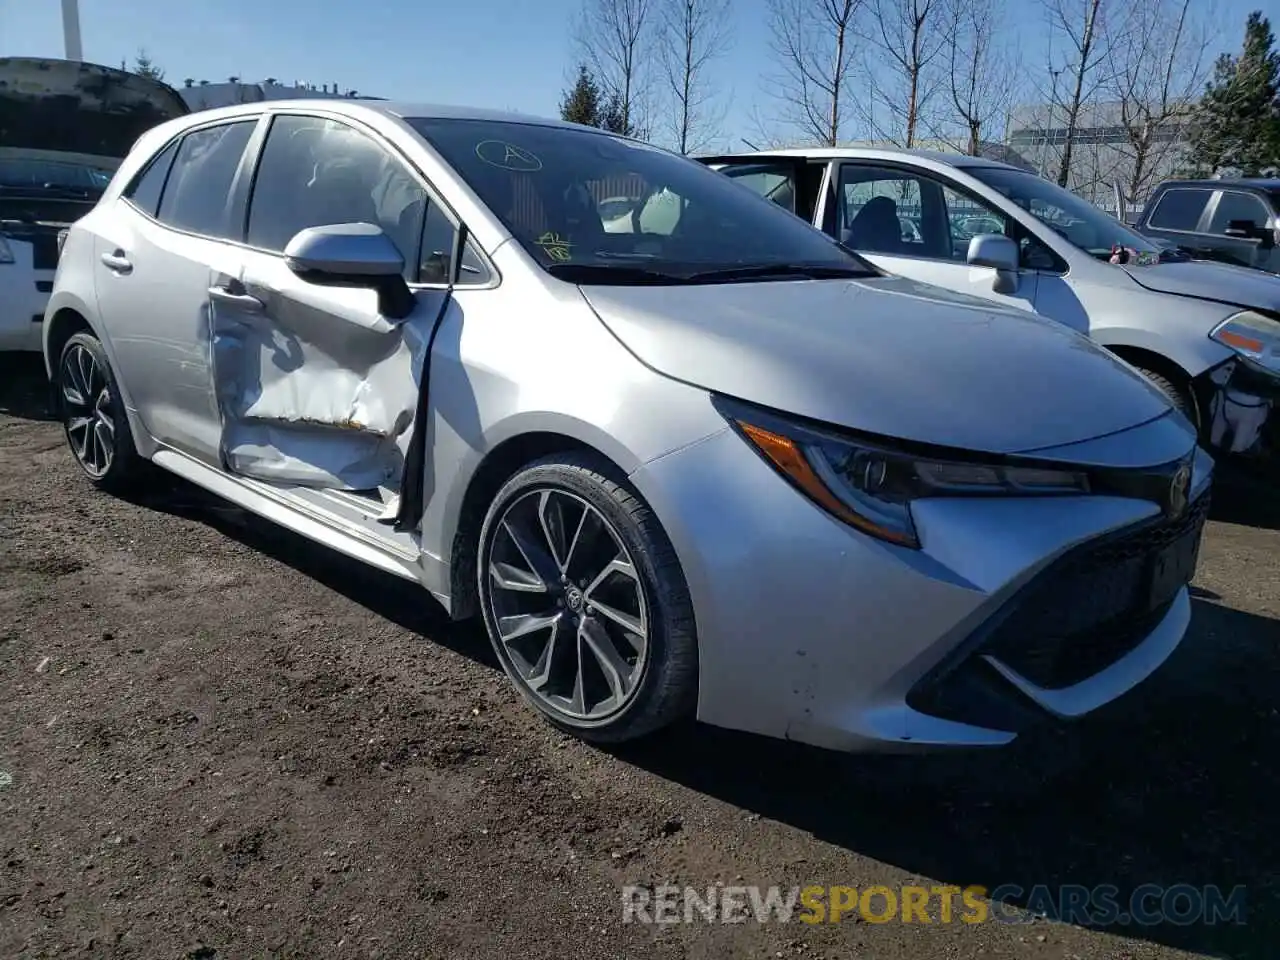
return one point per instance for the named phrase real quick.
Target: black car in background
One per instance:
(1232, 221)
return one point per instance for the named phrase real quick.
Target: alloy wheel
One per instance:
(88, 410)
(568, 606)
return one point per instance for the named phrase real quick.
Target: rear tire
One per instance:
(585, 602)
(93, 418)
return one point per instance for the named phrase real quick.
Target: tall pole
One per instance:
(71, 29)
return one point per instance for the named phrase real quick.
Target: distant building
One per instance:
(203, 95)
(1101, 156)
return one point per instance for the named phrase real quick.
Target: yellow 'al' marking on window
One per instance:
(555, 246)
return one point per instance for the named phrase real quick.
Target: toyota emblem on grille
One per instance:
(1179, 490)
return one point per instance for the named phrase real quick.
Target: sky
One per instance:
(504, 54)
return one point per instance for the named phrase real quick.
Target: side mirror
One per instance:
(353, 255)
(1242, 230)
(994, 250)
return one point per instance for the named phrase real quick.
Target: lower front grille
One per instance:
(1078, 616)
(1098, 602)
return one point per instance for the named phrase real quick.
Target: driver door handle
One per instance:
(117, 262)
(234, 296)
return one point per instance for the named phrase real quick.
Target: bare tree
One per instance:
(814, 42)
(614, 36)
(983, 72)
(1157, 67)
(1081, 23)
(692, 34)
(908, 36)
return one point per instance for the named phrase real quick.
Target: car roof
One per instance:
(401, 110)
(958, 160)
(1262, 183)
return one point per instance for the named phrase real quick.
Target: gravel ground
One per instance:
(218, 740)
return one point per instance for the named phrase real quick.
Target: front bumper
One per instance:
(1241, 411)
(812, 632)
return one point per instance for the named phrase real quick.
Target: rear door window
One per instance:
(774, 182)
(1179, 209)
(196, 194)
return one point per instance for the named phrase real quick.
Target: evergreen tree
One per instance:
(581, 103)
(144, 66)
(1236, 124)
(614, 119)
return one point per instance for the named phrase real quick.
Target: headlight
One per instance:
(6, 251)
(871, 487)
(62, 240)
(1252, 335)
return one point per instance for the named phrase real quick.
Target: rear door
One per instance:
(793, 183)
(314, 385)
(154, 257)
(1178, 215)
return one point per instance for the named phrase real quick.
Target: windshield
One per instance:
(1079, 222)
(29, 174)
(592, 207)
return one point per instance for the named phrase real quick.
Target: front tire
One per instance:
(585, 602)
(1181, 397)
(93, 418)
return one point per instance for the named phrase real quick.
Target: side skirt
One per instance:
(329, 518)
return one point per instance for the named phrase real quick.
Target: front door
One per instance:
(1241, 230)
(316, 387)
(917, 225)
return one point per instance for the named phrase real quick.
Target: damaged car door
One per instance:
(317, 337)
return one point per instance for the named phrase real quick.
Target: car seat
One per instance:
(876, 227)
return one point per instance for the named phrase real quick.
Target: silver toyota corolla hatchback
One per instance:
(715, 464)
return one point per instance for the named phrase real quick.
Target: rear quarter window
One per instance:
(148, 186)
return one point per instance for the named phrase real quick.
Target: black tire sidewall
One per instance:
(665, 592)
(1182, 398)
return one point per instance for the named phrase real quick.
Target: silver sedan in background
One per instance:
(704, 462)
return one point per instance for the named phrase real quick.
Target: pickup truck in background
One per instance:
(1230, 221)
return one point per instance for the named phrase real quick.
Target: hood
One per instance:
(1206, 280)
(65, 106)
(887, 356)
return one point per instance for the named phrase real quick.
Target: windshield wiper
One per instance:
(610, 274)
(781, 271)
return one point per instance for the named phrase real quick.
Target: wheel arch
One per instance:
(494, 469)
(1149, 359)
(61, 326)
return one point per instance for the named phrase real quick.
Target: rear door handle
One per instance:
(117, 262)
(235, 297)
